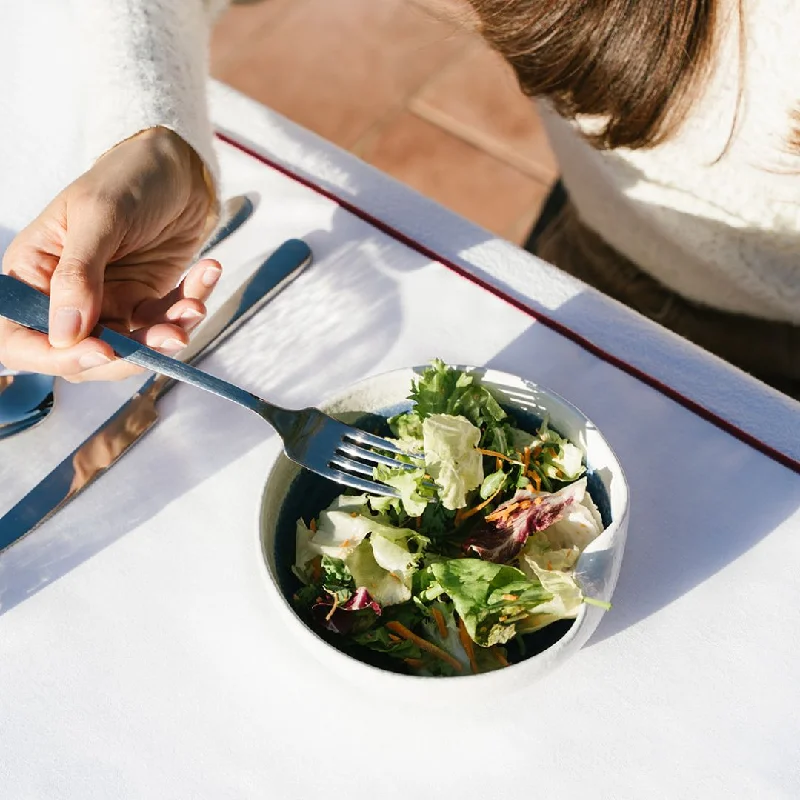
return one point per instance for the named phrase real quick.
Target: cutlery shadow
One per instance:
(352, 316)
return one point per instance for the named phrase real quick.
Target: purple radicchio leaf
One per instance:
(354, 616)
(500, 540)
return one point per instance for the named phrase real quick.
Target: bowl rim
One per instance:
(354, 667)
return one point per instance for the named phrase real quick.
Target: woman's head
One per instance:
(636, 63)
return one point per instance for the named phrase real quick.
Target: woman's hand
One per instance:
(111, 248)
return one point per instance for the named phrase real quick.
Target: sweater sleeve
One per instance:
(145, 64)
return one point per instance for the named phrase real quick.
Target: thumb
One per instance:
(76, 287)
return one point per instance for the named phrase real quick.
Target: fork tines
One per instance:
(355, 457)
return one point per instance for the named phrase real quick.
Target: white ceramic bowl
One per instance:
(384, 395)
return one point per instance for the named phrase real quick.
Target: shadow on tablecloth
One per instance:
(694, 506)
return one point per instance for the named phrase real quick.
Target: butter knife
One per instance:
(103, 448)
(236, 211)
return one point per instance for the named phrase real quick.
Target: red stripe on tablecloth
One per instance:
(742, 435)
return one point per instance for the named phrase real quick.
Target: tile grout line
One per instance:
(473, 136)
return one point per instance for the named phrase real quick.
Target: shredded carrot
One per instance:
(316, 569)
(502, 513)
(526, 457)
(498, 455)
(466, 643)
(537, 501)
(469, 512)
(333, 608)
(536, 479)
(510, 597)
(440, 624)
(393, 638)
(497, 653)
(423, 644)
(414, 663)
(354, 514)
(312, 526)
(498, 463)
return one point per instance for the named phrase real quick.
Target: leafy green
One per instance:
(406, 426)
(492, 484)
(414, 495)
(451, 458)
(444, 390)
(490, 598)
(557, 458)
(336, 578)
(386, 586)
(438, 389)
(437, 521)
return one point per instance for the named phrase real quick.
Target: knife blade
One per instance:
(108, 443)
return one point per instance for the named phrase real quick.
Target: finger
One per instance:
(167, 339)
(27, 350)
(76, 288)
(198, 284)
(115, 371)
(201, 280)
(187, 314)
(164, 337)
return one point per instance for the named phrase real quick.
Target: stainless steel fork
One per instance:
(311, 438)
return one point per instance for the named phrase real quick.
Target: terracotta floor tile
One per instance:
(453, 172)
(476, 97)
(340, 67)
(240, 25)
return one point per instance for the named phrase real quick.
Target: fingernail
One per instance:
(65, 327)
(211, 276)
(191, 314)
(92, 360)
(171, 346)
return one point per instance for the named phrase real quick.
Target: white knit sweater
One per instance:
(145, 63)
(725, 233)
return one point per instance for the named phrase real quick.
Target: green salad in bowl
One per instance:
(476, 565)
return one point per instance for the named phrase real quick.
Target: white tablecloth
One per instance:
(141, 657)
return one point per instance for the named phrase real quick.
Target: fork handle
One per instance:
(27, 306)
(146, 357)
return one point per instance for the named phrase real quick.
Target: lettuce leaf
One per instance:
(444, 390)
(573, 530)
(451, 458)
(414, 495)
(407, 427)
(338, 534)
(567, 598)
(558, 459)
(489, 598)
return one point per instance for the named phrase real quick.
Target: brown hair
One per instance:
(633, 63)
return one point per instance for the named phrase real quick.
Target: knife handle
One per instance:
(237, 210)
(27, 306)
